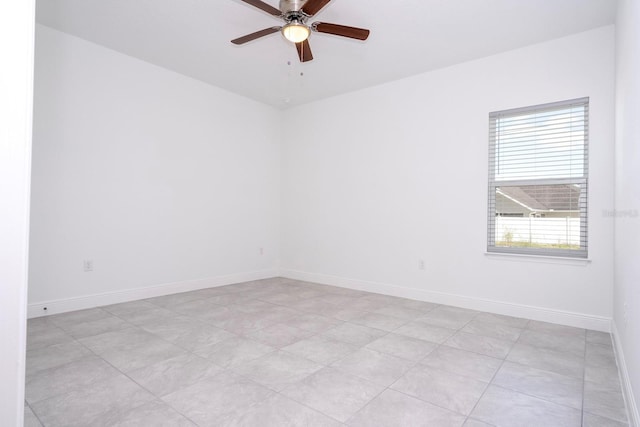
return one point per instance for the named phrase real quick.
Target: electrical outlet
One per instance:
(261, 251)
(87, 265)
(421, 264)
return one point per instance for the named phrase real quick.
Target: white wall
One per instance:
(389, 175)
(627, 223)
(16, 83)
(156, 177)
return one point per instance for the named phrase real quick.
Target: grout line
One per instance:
(490, 383)
(33, 412)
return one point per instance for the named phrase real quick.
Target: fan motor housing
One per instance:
(291, 5)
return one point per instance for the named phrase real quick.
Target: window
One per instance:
(538, 180)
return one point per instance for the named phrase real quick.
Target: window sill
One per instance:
(539, 258)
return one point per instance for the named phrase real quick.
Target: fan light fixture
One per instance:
(295, 32)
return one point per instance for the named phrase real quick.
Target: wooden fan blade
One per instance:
(304, 51)
(256, 35)
(313, 6)
(263, 6)
(341, 30)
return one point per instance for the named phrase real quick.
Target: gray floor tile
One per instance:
(92, 405)
(354, 334)
(173, 374)
(601, 366)
(229, 289)
(488, 346)
(234, 351)
(214, 354)
(422, 306)
(279, 297)
(333, 393)
(378, 368)
(143, 355)
(222, 316)
(30, 419)
(148, 315)
(394, 409)
(400, 311)
(127, 355)
(38, 324)
(462, 362)
(499, 319)
(602, 338)
(243, 293)
(97, 327)
(590, 420)
(369, 303)
(602, 374)
(232, 298)
(245, 323)
(203, 309)
(599, 355)
(277, 370)
(280, 335)
(449, 317)
(444, 389)
(106, 341)
(306, 293)
(72, 318)
(190, 334)
(128, 307)
(383, 299)
(173, 299)
(379, 321)
(156, 414)
(424, 331)
(564, 343)
(343, 313)
(475, 423)
(277, 411)
(492, 330)
(546, 385)
(65, 378)
(402, 346)
(548, 360)
(54, 355)
(219, 400)
(338, 299)
(321, 349)
(501, 407)
(341, 291)
(316, 306)
(554, 329)
(252, 306)
(44, 337)
(314, 322)
(604, 400)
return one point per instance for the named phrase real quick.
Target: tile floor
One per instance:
(280, 352)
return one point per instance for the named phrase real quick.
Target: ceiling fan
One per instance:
(295, 14)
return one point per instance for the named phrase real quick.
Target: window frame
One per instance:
(495, 183)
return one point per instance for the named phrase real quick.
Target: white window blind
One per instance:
(538, 179)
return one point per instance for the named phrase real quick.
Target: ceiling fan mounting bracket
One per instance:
(287, 6)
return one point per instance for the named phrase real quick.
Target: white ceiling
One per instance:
(408, 37)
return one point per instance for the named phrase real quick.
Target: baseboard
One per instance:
(89, 301)
(598, 323)
(632, 408)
